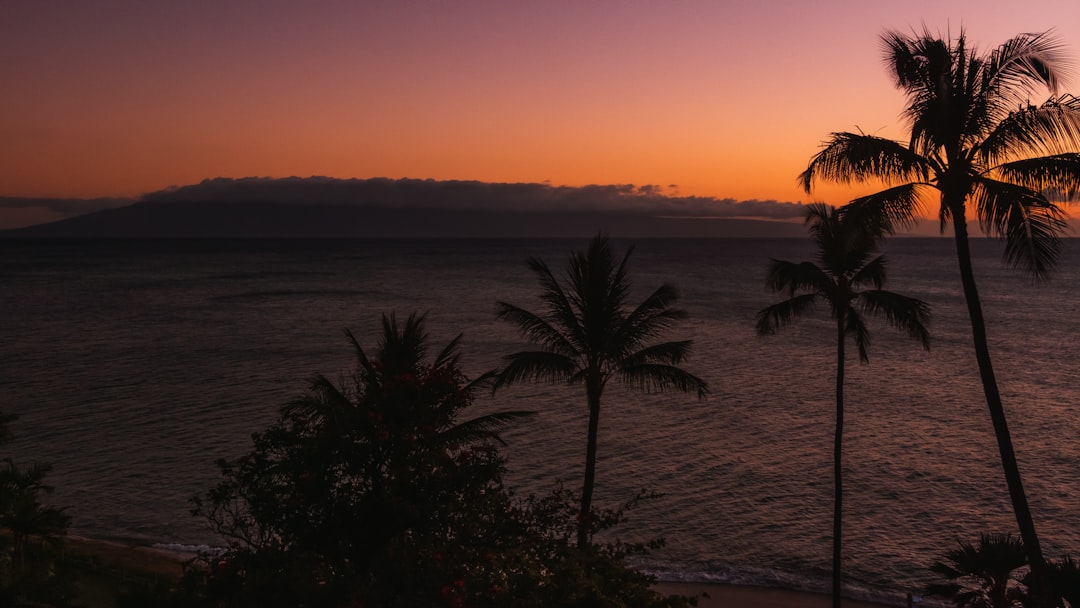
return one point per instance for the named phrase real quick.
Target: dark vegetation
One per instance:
(378, 493)
(381, 491)
(31, 534)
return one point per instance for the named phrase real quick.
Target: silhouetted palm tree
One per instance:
(397, 362)
(985, 575)
(975, 139)
(587, 334)
(848, 279)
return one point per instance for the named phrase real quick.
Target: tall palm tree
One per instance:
(588, 334)
(975, 140)
(848, 279)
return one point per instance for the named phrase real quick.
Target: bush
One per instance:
(374, 494)
(31, 534)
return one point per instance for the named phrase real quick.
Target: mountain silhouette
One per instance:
(282, 220)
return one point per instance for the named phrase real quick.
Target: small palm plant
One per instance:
(983, 575)
(588, 334)
(849, 280)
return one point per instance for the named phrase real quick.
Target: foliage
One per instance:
(993, 573)
(983, 575)
(975, 138)
(597, 575)
(373, 494)
(588, 334)
(848, 278)
(1064, 582)
(31, 534)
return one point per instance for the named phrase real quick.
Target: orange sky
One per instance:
(724, 99)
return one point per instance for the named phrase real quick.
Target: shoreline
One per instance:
(133, 557)
(726, 595)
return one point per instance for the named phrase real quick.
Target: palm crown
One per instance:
(849, 279)
(397, 391)
(588, 331)
(974, 135)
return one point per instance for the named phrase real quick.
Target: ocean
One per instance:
(135, 364)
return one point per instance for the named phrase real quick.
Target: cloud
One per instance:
(473, 196)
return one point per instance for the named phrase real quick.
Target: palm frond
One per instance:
(534, 328)
(1026, 63)
(648, 320)
(845, 238)
(1025, 131)
(855, 326)
(934, 75)
(450, 355)
(401, 348)
(885, 211)
(621, 279)
(665, 352)
(481, 428)
(907, 314)
(361, 357)
(657, 377)
(1057, 177)
(598, 291)
(560, 309)
(483, 381)
(871, 273)
(1030, 225)
(855, 157)
(537, 366)
(323, 401)
(909, 56)
(793, 277)
(773, 318)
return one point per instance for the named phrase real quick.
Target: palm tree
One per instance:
(975, 139)
(396, 363)
(984, 575)
(847, 267)
(587, 334)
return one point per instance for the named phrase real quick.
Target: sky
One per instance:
(116, 98)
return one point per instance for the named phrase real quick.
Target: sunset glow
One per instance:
(118, 98)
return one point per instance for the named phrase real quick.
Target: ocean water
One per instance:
(135, 364)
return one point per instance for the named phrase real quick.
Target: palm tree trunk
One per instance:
(838, 488)
(993, 399)
(585, 517)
